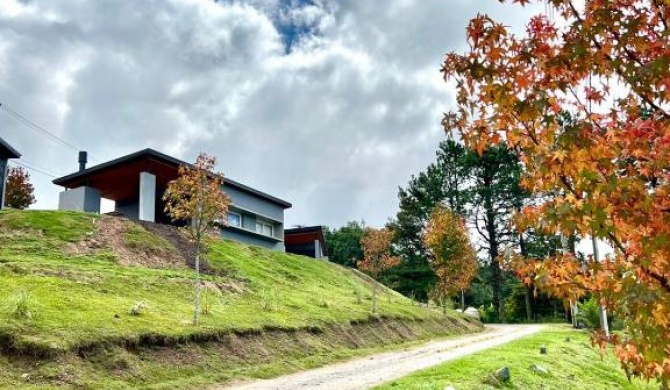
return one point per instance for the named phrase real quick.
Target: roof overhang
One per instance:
(305, 235)
(112, 178)
(7, 151)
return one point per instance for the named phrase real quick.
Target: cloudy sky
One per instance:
(329, 104)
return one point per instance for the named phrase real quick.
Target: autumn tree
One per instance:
(197, 198)
(377, 256)
(19, 192)
(443, 181)
(607, 174)
(453, 259)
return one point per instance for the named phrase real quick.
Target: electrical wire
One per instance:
(39, 129)
(34, 169)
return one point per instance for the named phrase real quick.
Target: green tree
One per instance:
(344, 244)
(494, 194)
(442, 182)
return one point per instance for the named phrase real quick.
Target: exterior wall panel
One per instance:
(251, 239)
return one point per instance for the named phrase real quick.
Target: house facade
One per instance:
(6, 152)
(136, 184)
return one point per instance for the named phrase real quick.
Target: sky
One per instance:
(330, 105)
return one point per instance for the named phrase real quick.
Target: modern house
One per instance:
(307, 241)
(6, 152)
(136, 184)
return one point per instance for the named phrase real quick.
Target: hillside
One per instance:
(91, 301)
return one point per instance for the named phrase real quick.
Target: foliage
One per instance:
(19, 192)
(443, 181)
(453, 259)
(377, 256)
(197, 196)
(605, 172)
(344, 244)
(589, 313)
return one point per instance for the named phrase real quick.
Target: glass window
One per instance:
(234, 219)
(264, 228)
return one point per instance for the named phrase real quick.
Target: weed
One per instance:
(19, 306)
(138, 308)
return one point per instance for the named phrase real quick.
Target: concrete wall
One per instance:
(254, 204)
(251, 239)
(3, 179)
(80, 199)
(129, 209)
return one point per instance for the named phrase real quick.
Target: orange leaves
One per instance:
(377, 251)
(197, 196)
(589, 114)
(453, 258)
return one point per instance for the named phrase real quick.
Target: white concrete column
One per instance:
(317, 249)
(147, 206)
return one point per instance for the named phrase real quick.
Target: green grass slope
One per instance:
(57, 299)
(573, 364)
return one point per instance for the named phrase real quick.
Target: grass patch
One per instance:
(137, 237)
(81, 303)
(571, 365)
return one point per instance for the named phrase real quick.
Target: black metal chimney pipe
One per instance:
(83, 159)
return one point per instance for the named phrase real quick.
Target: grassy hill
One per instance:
(101, 302)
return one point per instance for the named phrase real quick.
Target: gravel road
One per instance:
(366, 372)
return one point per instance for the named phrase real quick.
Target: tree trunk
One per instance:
(463, 301)
(196, 310)
(528, 299)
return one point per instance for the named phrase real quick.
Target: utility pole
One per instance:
(603, 312)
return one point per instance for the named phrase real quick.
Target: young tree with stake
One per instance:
(377, 256)
(196, 196)
(452, 257)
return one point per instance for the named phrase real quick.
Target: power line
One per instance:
(39, 129)
(38, 170)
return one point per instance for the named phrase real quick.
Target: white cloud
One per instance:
(334, 125)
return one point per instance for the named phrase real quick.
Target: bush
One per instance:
(589, 313)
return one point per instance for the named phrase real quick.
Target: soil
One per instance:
(109, 235)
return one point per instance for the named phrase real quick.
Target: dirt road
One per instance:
(363, 373)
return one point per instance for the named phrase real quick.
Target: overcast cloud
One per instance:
(328, 104)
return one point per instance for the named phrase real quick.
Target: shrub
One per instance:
(589, 313)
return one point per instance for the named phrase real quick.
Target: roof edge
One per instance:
(174, 161)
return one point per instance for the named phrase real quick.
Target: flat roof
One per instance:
(7, 151)
(79, 178)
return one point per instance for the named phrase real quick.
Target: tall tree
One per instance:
(197, 197)
(453, 259)
(19, 193)
(610, 173)
(377, 256)
(495, 193)
(344, 243)
(443, 181)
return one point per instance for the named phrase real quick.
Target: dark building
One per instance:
(307, 241)
(6, 152)
(136, 184)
